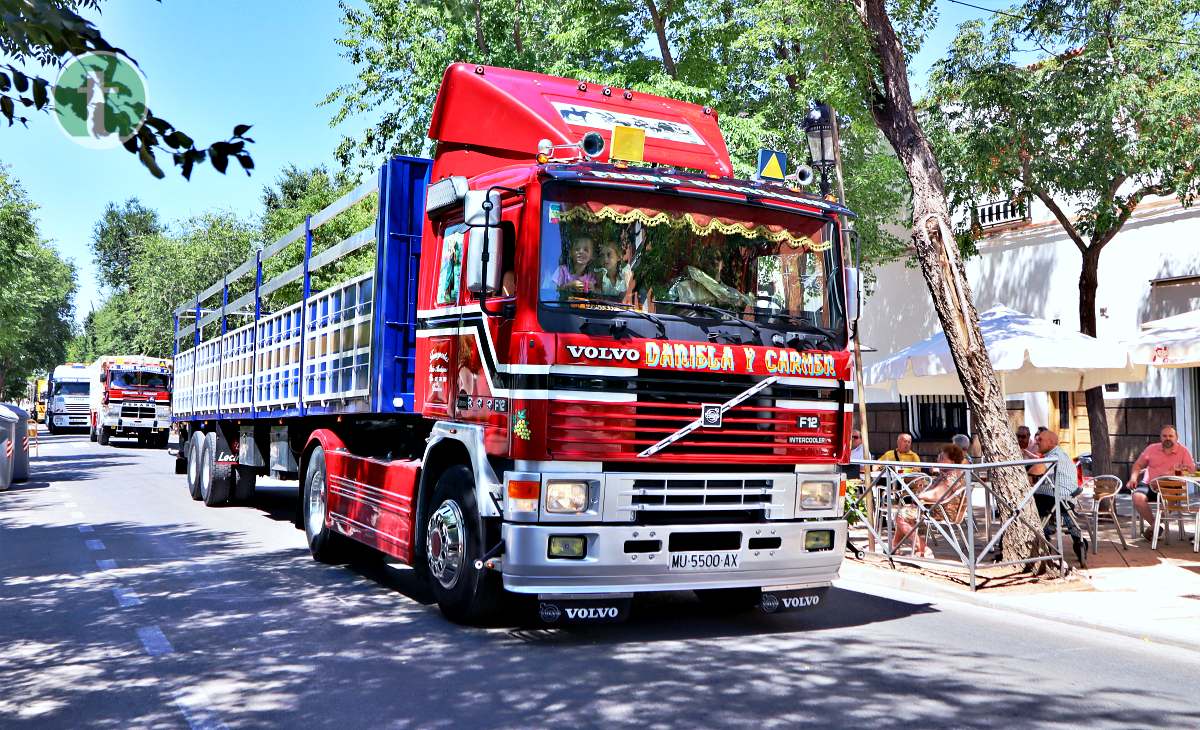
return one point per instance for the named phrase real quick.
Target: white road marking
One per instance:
(154, 641)
(95, 544)
(77, 515)
(106, 564)
(126, 598)
(195, 707)
(86, 528)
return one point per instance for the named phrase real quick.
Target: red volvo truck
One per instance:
(567, 374)
(131, 396)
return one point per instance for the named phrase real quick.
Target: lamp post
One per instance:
(819, 127)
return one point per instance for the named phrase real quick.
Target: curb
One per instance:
(855, 574)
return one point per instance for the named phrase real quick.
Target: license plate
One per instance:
(705, 561)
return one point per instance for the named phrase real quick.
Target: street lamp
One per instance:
(818, 125)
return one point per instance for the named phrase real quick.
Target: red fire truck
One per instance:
(586, 363)
(131, 396)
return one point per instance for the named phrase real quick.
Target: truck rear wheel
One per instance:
(193, 448)
(215, 477)
(325, 545)
(454, 540)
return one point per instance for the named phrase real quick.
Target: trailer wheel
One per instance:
(194, 446)
(454, 540)
(215, 477)
(245, 479)
(730, 600)
(103, 437)
(325, 545)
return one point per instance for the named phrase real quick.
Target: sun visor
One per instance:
(500, 109)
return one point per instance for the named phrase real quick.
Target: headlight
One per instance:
(817, 495)
(163, 410)
(114, 409)
(566, 497)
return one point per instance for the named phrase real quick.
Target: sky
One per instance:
(211, 64)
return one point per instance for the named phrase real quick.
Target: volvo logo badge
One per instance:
(770, 603)
(549, 612)
(710, 415)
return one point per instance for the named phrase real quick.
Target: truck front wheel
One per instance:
(454, 540)
(103, 436)
(92, 434)
(325, 545)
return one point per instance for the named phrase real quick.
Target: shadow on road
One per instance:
(279, 639)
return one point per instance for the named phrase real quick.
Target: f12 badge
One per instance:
(710, 415)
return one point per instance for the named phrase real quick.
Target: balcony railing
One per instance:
(999, 213)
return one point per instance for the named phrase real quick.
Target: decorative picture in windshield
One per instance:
(694, 259)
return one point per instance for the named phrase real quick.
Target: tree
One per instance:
(865, 31)
(1106, 119)
(116, 237)
(169, 267)
(758, 62)
(47, 33)
(36, 290)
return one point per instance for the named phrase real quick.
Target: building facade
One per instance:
(1026, 261)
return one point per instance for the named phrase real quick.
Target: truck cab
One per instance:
(67, 398)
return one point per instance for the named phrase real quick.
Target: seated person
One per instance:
(1167, 457)
(902, 452)
(945, 491)
(615, 278)
(1064, 484)
(575, 277)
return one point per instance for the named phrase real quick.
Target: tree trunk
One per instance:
(480, 38)
(946, 278)
(660, 31)
(1089, 282)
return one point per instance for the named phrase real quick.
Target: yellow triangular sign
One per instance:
(772, 169)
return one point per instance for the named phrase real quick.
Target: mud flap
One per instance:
(781, 601)
(557, 611)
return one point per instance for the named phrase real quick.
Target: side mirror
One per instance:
(484, 277)
(852, 293)
(481, 208)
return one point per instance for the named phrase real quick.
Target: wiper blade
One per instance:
(723, 314)
(621, 306)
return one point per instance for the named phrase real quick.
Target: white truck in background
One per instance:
(68, 397)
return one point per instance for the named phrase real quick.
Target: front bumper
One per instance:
(70, 420)
(608, 568)
(138, 425)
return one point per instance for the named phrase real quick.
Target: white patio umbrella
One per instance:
(1030, 355)
(1173, 342)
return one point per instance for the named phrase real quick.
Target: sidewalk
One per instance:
(1140, 593)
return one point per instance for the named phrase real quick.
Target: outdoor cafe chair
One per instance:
(1174, 502)
(1102, 500)
(948, 512)
(916, 482)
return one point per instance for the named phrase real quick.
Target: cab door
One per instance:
(440, 326)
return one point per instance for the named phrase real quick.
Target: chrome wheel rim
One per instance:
(444, 543)
(193, 463)
(205, 474)
(316, 504)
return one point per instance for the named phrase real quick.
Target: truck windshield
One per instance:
(688, 268)
(80, 387)
(137, 379)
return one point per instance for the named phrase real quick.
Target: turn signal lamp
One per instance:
(628, 143)
(523, 495)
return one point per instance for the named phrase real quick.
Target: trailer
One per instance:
(584, 362)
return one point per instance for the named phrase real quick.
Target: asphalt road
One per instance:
(123, 603)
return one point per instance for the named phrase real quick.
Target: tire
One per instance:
(730, 600)
(50, 428)
(245, 479)
(161, 440)
(103, 437)
(215, 478)
(454, 540)
(92, 434)
(325, 545)
(195, 446)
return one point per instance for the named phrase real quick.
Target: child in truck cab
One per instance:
(615, 277)
(575, 276)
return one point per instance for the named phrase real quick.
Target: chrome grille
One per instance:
(137, 411)
(648, 499)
